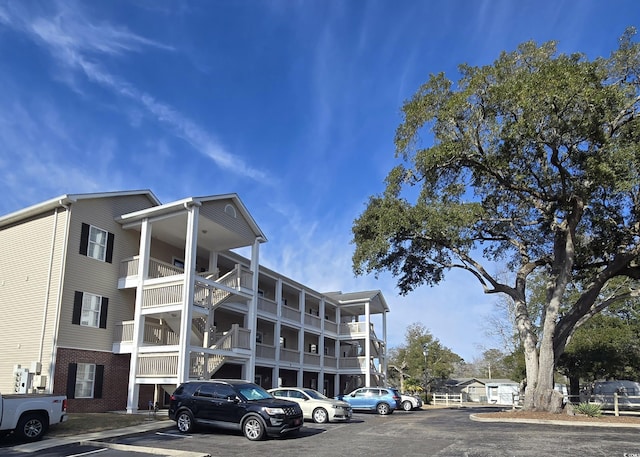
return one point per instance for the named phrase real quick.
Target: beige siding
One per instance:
(30, 267)
(214, 210)
(86, 274)
(164, 251)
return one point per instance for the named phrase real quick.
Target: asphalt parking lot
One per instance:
(440, 433)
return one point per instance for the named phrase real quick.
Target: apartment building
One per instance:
(115, 298)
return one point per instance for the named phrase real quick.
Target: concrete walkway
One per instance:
(95, 437)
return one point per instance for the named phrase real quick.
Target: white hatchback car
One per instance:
(315, 406)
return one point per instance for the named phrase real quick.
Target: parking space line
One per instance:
(175, 435)
(87, 453)
(147, 450)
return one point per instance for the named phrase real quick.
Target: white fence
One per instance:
(446, 399)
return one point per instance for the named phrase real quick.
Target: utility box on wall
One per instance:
(21, 379)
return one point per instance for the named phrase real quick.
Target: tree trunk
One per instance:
(529, 341)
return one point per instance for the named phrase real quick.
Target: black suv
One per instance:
(233, 404)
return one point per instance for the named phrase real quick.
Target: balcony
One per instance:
(357, 330)
(311, 321)
(237, 339)
(267, 306)
(238, 279)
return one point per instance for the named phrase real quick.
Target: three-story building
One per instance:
(115, 298)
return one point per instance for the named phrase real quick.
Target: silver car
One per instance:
(410, 402)
(315, 406)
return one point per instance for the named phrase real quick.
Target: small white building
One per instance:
(502, 392)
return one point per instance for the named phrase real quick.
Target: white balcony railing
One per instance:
(330, 326)
(154, 334)
(268, 306)
(356, 328)
(289, 355)
(330, 362)
(311, 359)
(290, 313)
(264, 351)
(158, 365)
(312, 321)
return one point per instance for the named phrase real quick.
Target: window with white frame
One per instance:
(90, 310)
(91, 305)
(97, 243)
(85, 380)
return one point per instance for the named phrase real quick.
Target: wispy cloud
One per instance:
(75, 42)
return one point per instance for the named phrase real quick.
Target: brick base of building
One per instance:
(115, 382)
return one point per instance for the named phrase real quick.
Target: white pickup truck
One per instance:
(30, 415)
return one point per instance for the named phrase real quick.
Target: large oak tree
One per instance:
(532, 162)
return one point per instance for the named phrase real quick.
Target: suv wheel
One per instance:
(253, 428)
(320, 415)
(406, 405)
(184, 421)
(383, 409)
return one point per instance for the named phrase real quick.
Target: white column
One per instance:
(278, 331)
(213, 263)
(367, 342)
(187, 291)
(321, 312)
(384, 361)
(252, 317)
(138, 319)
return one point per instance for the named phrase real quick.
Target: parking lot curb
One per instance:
(477, 418)
(145, 449)
(93, 437)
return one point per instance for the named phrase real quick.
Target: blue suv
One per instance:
(383, 400)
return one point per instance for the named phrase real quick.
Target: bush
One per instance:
(588, 409)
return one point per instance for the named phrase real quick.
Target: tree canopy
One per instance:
(531, 162)
(415, 371)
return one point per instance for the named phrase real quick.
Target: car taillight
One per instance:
(64, 405)
(172, 397)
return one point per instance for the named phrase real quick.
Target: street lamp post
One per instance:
(425, 352)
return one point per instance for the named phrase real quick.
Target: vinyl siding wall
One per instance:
(30, 266)
(89, 275)
(214, 210)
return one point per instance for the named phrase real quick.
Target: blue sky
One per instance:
(293, 105)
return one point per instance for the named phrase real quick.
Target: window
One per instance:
(283, 342)
(90, 315)
(85, 377)
(85, 380)
(96, 243)
(230, 210)
(90, 310)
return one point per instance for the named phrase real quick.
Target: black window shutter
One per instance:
(71, 380)
(109, 254)
(77, 308)
(84, 239)
(99, 381)
(103, 312)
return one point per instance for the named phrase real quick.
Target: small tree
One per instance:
(413, 367)
(533, 163)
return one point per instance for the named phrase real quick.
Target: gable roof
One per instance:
(375, 298)
(484, 381)
(67, 199)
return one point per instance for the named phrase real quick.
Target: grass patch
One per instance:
(95, 422)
